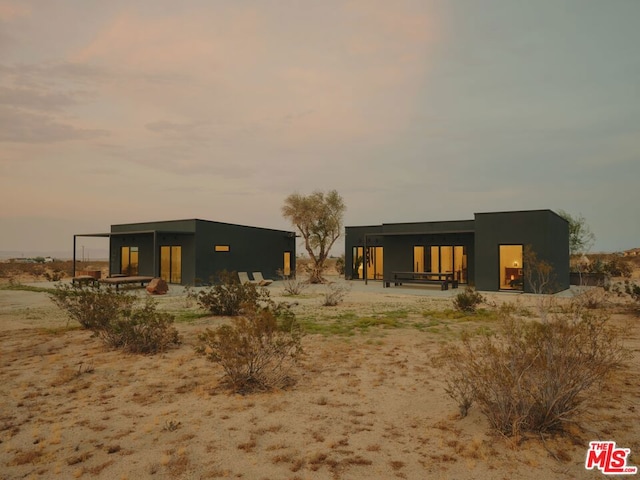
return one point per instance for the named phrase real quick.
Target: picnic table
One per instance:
(442, 279)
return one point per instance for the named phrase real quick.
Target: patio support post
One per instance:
(74, 255)
(156, 254)
(364, 261)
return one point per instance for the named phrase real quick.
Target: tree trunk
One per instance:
(315, 274)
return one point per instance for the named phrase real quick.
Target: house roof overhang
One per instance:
(123, 234)
(418, 232)
(133, 232)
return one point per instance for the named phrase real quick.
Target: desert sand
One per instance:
(369, 402)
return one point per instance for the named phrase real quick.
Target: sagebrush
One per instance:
(113, 317)
(293, 285)
(468, 301)
(227, 296)
(92, 306)
(257, 350)
(534, 376)
(141, 330)
(334, 293)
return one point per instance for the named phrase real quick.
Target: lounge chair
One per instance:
(257, 276)
(244, 278)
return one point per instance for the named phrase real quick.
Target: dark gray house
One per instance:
(190, 252)
(486, 252)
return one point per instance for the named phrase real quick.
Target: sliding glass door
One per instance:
(367, 263)
(374, 263)
(447, 259)
(129, 261)
(171, 263)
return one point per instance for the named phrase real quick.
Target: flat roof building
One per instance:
(488, 252)
(191, 252)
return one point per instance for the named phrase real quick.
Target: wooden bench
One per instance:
(425, 278)
(124, 280)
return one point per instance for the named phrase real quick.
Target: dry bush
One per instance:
(293, 285)
(633, 290)
(228, 295)
(335, 293)
(141, 330)
(468, 300)
(592, 298)
(629, 290)
(539, 275)
(617, 266)
(612, 264)
(257, 350)
(91, 306)
(54, 275)
(534, 376)
(112, 316)
(51, 271)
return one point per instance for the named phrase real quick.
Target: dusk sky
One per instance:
(120, 111)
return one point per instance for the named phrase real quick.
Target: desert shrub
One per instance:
(611, 264)
(538, 273)
(190, 296)
(257, 350)
(112, 316)
(468, 300)
(632, 289)
(227, 296)
(334, 293)
(54, 275)
(533, 376)
(91, 306)
(141, 330)
(618, 267)
(592, 298)
(293, 285)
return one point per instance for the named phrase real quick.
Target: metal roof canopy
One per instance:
(397, 234)
(136, 232)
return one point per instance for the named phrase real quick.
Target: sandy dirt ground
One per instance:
(369, 402)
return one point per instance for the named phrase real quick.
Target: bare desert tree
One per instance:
(319, 219)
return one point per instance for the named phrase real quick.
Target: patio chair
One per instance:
(257, 276)
(244, 278)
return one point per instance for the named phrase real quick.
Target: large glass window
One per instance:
(367, 263)
(129, 261)
(511, 277)
(358, 263)
(286, 269)
(171, 263)
(374, 263)
(448, 259)
(418, 258)
(435, 260)
(460, 263)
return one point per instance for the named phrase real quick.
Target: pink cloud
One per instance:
(194, 41)
(10, 11)
(254, 68)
